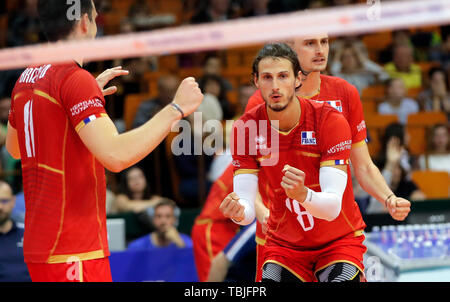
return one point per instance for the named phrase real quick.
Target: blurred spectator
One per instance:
(213, 66)
(167, 87)
(396, 101)
(156, 164)
(193, 166)
(165, 219)
(245, 91)
(139, 8)
(437, 96)
(403, 66)
(396, 136)
(399, 37)
(395, 165)
(12, 265)
(213, 11)
(438, 153)
(9, 165)
(254, 8)
(24, 26)
(355, 67)
(441, 52)
(214, 85)
(135, 196)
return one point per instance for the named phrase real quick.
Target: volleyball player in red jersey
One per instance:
(212, 231)
(59, 129)
(313, 53)
(315, 228)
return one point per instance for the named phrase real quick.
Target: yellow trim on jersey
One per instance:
(203, 221)
(246, 171)
(63, 206)
(82, 123)
(359, 144)
(330, 163)
(222, 185)
(314, 186)
(286, 132)
(81, 257)
(97, 203)
(348, 221)
(260, 241)
(46, 96)
(359, 233)
(50, 169)
(80, 270)
(18, 95)
(309, 154)
(341, 261)
(208, 241)
(286, 267)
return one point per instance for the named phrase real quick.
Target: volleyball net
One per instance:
(336, 21)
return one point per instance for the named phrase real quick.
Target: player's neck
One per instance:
(286, 119)
(310, 86)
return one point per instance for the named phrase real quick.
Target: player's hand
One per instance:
(398, 208)
(106, 76)
(231, 208)
(188, 96)
(293, 183)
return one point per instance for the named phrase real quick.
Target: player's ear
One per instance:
(255, 80)
(84, 23)
(299, 79)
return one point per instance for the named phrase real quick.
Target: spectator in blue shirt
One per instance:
(165, 219)
(12, 265)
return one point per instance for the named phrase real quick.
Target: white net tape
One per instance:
(356, 19)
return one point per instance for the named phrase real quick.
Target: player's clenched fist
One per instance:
(293, 183)
(188, 96)
(231, 208)
(398, 207)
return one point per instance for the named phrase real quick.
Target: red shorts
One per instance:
(96, 270)
(259, 261)
(305, 264)
(209, 238)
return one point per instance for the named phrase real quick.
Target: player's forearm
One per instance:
(327, 204)
(372, 181)
(12, 142)
(246, 187)
(129, 148)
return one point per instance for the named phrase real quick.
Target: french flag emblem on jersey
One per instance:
(339, 162)
(336, 105)
(308, 138)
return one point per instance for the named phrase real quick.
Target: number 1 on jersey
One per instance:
(29, 130)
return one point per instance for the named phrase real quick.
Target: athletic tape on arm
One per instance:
(246, 187)
(328, 203)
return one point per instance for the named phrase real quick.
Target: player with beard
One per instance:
(313, 54)
(315, 228)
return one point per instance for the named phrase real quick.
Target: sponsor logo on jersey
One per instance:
(336, 104)
(260, 142)
(236, 163)
(82, 106)
(309, 138)
(342, 146)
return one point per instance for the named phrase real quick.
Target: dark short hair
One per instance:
(277, 50)
(53, 15)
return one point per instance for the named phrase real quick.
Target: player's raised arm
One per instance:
(119, 151)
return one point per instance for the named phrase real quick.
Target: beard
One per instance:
(280, 107)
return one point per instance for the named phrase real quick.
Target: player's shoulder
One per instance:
(338, 83)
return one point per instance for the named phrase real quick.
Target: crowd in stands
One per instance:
(397, 73)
